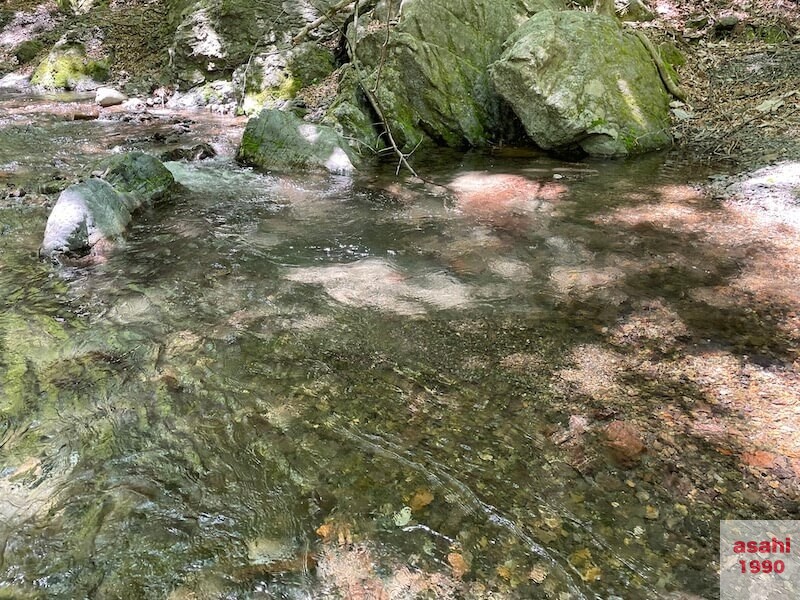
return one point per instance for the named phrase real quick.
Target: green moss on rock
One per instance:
(282, 141)
(68, 68)
(577, 79)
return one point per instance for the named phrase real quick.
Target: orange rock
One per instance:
(625, 442)
(458, 564)
(759, 459)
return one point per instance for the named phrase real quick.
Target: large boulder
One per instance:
(350, 115)
(577, 80)
(214, 37)
(67, 67)
(430, 78)
(279, 140)
(100, 209)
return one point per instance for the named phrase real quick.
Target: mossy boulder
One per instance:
(281, 141)
(100, 209)
(27, 51)
(310, 63)
(430, 76)
(215, 37)
(578, 81)
(67, 67)
(350, 115)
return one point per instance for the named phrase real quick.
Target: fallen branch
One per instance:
(336, 8)
(376, 105)
(672, 87)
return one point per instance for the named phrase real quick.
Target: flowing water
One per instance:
(318, 387)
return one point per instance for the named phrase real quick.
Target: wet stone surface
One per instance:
(519, 378)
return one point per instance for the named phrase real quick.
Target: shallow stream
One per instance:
(373, 387)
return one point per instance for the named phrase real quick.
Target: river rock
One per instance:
(107, 96)
(100, 209)
(430, 77)
(577, 80)
(625, 442)
(281, 141)
(196, 152)
(17, 82)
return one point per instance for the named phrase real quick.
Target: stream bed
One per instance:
(516, 377)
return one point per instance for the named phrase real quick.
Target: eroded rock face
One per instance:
(278, 140)
(214, 37)
(431, 76)
(576, 80)
(99, 210)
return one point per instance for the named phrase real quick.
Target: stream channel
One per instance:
(307, 386)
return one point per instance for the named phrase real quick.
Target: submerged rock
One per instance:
(280, 140)
(577, 80)
(99, 210)
(196, 152)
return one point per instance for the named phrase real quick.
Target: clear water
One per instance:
(321, 387)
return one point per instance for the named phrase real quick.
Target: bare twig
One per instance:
(384, 47)
(672, 87)
(336, 8)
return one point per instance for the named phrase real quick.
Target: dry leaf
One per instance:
(770, 105)
(504, 572)
(592, 574)
(538, 574)
(420, 500)
(458, 564)
(324, 531)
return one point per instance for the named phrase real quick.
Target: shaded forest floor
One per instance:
(741, 75)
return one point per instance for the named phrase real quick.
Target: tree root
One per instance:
(672, 86)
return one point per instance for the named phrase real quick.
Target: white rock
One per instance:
(109, 97)
(134, 105)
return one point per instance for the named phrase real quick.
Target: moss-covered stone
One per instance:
(97, 210)
(279, 140)
(576, 79)
(350, 116)
(68, 68)
(27, 51)
(310, 63)
(430, 77)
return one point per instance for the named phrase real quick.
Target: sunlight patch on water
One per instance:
(377, 283)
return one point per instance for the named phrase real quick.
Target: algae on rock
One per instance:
(578, 80)
(282, 141)
(100, 209)
(430, 76)
(67, 67)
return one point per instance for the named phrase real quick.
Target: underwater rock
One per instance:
(625, 442)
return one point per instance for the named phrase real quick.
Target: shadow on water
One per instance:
(517, 378)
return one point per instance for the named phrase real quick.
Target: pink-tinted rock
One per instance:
(625, 442)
